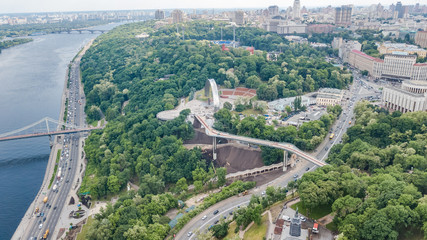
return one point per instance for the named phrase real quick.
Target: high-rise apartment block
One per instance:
(273, 11)
(159, 14)
(296, 10)
(177, 16)
(343, 15)
(421, 39)
(239, 17)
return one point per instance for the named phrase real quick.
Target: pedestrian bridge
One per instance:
(284, 146)
(44, 127)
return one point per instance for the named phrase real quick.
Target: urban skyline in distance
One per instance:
(36, 6)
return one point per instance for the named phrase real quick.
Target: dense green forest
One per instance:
(377, 179)
(123, 79)
(10, 43)
(307, 137)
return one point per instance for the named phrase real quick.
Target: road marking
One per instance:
(218, 214)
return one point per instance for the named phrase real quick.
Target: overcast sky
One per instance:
(20, 6)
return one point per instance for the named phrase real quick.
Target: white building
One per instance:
(329, 96)
(411, 97)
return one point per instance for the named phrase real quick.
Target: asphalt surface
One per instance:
(231, 204)
(67, 163)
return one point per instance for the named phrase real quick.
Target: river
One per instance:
(32, 78)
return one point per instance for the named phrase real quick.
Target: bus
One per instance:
(331, 136)
(46, 234)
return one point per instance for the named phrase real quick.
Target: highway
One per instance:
(68, 164)
(224, 207)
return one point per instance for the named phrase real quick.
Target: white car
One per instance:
(286, 218)
(303, 219)
(204, 217)
(189, 234)
(41, 225)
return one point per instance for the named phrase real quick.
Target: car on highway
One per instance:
(55, 208)
(40, 226)
(204, 217)
(216, 212)
(44, 219)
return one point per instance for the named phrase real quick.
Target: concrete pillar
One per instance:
(285, 161)
(214, 149)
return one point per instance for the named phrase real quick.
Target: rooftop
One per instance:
(363, 54)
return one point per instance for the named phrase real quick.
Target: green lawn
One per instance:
(257, 232)
(231, 235)
(331, 226)
(85, 229)
(315, 213)
(58, 155)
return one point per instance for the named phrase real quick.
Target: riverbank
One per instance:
(28, 218)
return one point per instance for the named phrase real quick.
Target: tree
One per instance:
(151, 185)
(181, 185)
(228, 106)
(113, 184)
(198, 185)
(221, 173)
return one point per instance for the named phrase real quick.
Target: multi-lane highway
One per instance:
(71, 146)
(225, 207)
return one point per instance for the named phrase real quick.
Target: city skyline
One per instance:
(24, 6)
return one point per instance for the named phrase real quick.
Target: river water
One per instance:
(32, 78)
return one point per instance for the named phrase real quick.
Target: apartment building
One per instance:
(421, 39)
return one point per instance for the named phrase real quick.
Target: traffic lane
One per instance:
(195, 222)
(222, 212)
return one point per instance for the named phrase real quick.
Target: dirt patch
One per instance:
(238, 157)
(72, 234)
(264, 178)
(199, 137)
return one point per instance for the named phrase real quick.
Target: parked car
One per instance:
(216, 212)
(286, 218)
(204, 217)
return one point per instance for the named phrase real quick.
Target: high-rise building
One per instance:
(343, 15)
(296, 10)
(400, 10)
(177, 16)
(239, 17)
(421, 39)
(273, 10)
(159, 14)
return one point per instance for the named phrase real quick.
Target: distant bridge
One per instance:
(81, 30)
(42, 128)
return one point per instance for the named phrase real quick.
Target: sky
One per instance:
(22, 6)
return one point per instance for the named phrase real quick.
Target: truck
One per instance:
(58, 176)
(45, 200)
(316, 228)
(46, 234)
